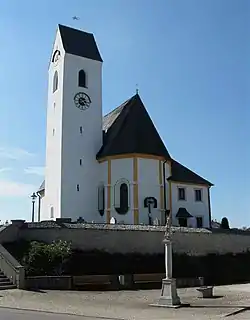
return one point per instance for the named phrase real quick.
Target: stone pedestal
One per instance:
(169, 296)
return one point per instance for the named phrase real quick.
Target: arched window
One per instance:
(82, 79)
(122, 197)
(55, 81)
(101, 199)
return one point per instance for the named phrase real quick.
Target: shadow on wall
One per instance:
(216, 269)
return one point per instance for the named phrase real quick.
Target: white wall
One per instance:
(149, 186)
(85, 146)
(196, 209)
(122, 169)
(53, 142)
(67, 146)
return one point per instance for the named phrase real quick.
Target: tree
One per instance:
(224, 223)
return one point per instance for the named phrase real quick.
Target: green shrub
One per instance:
(46, 259)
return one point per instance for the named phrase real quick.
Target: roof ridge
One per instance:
(79, 30)
(123, 104)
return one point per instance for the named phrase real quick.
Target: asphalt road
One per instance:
(13, 314)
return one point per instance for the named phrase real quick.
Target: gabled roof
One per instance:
(129, 129)
(183, 174)
(79, 43)
(42, 186)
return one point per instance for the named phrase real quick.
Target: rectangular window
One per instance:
(51, 213)
(199, 222)
(53, 132)
(181, 194)
(80, 162)
(78, 187)
(81, 130)
(198, 194)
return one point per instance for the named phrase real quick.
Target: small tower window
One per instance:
(81, 130)
(82, 79)
(80, 162)
(55, 81)
(77, 187)
(53, 132)
(51, 212)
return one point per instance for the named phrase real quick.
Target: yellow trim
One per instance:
(161, 190)
(160, 172)
(170, 198)
(108, 215)
(135, 190)
(133, 155)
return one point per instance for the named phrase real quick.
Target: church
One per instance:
(111, 168)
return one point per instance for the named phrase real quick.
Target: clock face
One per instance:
(82, 101)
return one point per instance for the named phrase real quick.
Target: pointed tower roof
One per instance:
(129, 129)
(79, 43)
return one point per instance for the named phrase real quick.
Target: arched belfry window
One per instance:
(122, 197)
(82, 79)
(55, 81)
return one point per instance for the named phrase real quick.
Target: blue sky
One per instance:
(190, 60)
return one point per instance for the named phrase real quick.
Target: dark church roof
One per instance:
(183, 174)
(129, 129)
(79, 43)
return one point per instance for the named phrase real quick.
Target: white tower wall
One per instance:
(66, 145)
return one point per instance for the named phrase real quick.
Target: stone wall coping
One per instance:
(112, 227)
(125, 227)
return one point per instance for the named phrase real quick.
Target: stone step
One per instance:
(4, 280)
(7, 287)
(7, 281)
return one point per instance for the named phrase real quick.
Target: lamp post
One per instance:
(169, 296)
(39, 207)
(33, 197)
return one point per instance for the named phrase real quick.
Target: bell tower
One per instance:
(74, 127)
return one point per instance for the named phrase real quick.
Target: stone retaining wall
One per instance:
(141, 239)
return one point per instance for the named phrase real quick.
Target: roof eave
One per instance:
(205, 183)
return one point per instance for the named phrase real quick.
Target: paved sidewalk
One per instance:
(13, 314)
(233, 301)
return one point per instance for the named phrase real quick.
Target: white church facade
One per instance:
(116, 166)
